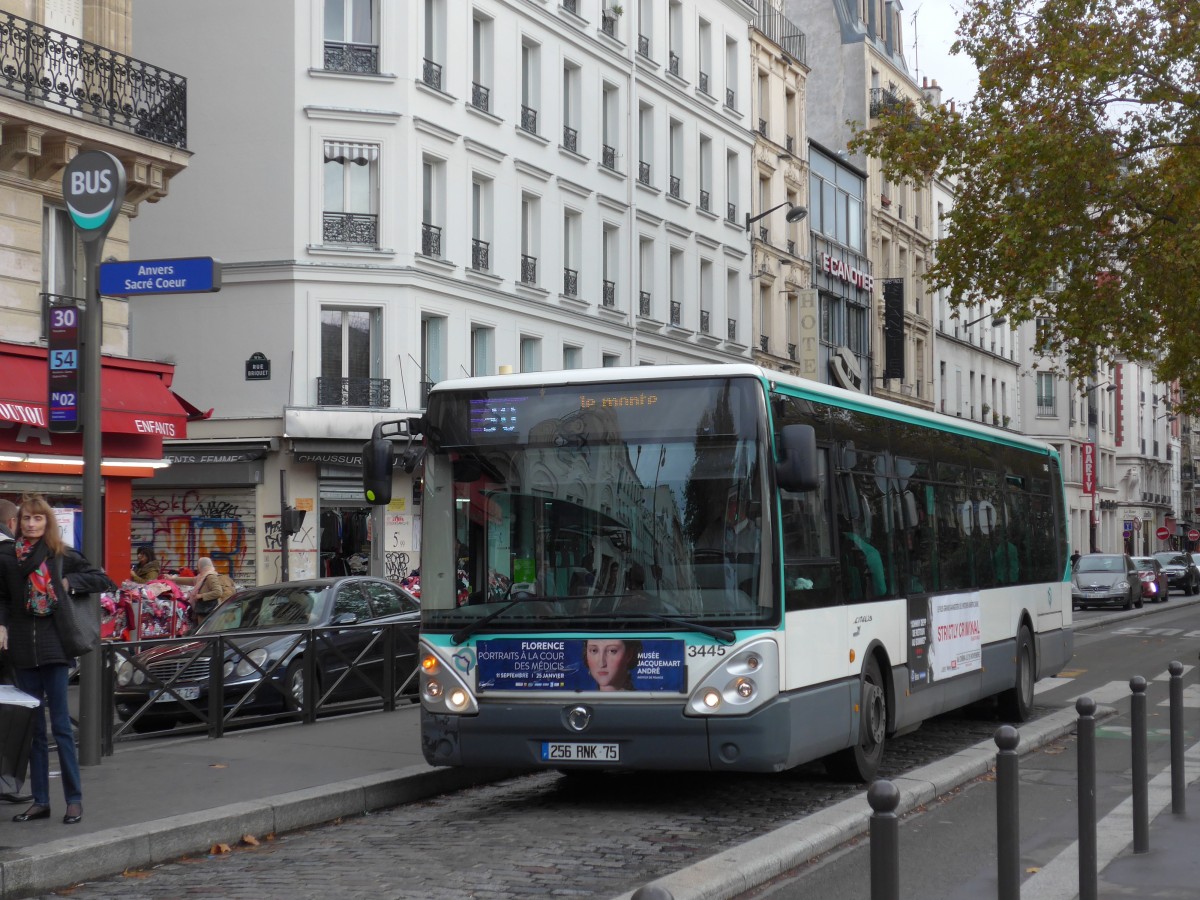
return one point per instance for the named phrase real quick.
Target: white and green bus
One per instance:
(718, 567)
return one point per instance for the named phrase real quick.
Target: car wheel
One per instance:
(1017, 702)
(293, 684)
(1128, 601)
(1138, 603)
(861, 762)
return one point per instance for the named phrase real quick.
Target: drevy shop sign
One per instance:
(842, 270)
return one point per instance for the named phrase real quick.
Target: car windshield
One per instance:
(1171, 559)
(1100, 564)
(282, 607)
(1145, 562)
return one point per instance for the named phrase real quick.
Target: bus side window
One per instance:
(808, 562)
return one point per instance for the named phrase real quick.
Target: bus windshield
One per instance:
(599, 504)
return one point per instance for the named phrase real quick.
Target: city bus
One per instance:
(723, 568)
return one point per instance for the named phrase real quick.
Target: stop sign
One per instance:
(1162, 534)
(1194, 535)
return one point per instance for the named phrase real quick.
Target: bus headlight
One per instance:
(741, 682)
(442, 688)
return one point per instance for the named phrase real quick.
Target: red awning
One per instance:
(135, 397)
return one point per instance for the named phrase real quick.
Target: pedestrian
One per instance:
(206, 590)
(16, 722)
(1075, 558)
(37, 572)
(148, 566)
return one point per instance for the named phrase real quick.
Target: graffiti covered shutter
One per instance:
(183, 524)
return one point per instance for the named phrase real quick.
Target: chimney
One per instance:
(931, 91)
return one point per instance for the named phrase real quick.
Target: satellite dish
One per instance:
(846, 370)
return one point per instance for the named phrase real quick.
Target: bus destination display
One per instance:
(63, 359)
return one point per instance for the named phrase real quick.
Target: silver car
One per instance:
(1106, 579)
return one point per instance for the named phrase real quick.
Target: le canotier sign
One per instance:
(190, 275)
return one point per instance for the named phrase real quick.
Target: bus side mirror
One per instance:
(796, 469)
(378, 458)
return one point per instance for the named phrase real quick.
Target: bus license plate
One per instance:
(185, 693)
(553, 752)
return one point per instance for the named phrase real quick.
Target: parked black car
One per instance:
(1181, 571)
(285, 611)
(1102, 579)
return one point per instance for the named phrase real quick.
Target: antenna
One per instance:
(916, 47)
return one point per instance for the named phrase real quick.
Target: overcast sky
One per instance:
(933, 33)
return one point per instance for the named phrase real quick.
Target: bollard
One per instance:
(1086, 766)
(1178, 784)
(884, 797)
(1141, 785)
(1008, 819)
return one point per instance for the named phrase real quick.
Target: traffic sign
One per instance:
(1194, 535)
(1162, 534)
(62, 347)
(190, 275)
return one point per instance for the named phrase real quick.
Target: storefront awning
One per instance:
(135, 396)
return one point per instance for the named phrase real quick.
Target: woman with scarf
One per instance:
(206, 590)
(37, 572)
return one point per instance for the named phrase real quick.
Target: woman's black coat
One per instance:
(33, 640)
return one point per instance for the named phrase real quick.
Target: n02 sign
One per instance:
(63, 360)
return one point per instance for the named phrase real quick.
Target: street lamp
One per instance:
(1108, 388)
(794, 214)
(998, 320)
(1170, 417)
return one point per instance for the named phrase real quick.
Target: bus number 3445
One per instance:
(706, 650)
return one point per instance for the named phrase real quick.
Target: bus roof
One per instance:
(806, 387)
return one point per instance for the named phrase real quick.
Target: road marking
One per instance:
(1106, 693)
(1166, 676)
(1049, 684)
(1191, 697)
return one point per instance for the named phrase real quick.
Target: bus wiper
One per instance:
(469, 629)
(721, 634)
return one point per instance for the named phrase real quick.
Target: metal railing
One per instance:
(764, 343)
(643, 47)
(608, 157)
(884, 99)
(704, 83)
(528, 269)
(730, 98)
(373, 392)
(431, 240)
(762, 127)
(480, 252)
(673, 63)
(705, 321)
(705, 200)
(529, 119)
(481, 96)
(644, 304)
(570, 139)
(732, 329)
(608, 25)
(431, 74)
(343, 668)
(783, 32)
(644, 172)
(731, 212)
(571, 6)
(791, 352)
(40, 65)
(609, 294)
(571, 282)
(350, 228)
(676, 312)
(673, 186)
(356, 59)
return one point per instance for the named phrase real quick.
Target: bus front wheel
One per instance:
(861, 762)
(1017, 702)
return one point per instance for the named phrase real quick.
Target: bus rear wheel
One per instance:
(861, 762)
(1017, 702)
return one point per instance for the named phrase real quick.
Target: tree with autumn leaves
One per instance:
(1077, 171)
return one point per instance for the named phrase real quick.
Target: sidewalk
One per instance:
(160, 799)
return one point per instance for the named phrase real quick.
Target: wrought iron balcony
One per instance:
(705, 321)
(790, 143)
(792, 247)
(431, 74)
(644, 304)
(704, 200)
(374, 392)
(731, 212)
(571, 282)
(644, 46)
(39, 65)
(762, 127)
(608, 24)
(356, 59)
(481, 96)
(676, 312)
(431, 240)
(764, 234)
(732, 329)
(782, 31)
(529, 119)
(764, 343)
(673, 63)
(608, 157)
(673, 188)
(644, 172)
(610, 294)
(791, 350)
(704, 83)
(350, 228)
(730, 98)
(884, 100)
(528, 269)
(570, 139)
(571, 6)
(480, 251)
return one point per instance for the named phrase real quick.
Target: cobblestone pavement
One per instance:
(541, 835)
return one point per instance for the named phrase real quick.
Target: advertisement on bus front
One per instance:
(577, 664)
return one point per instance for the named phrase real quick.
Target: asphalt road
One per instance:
(549, 834)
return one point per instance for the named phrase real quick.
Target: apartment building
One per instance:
(402, 193)
(69, 83)
(858, 68)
